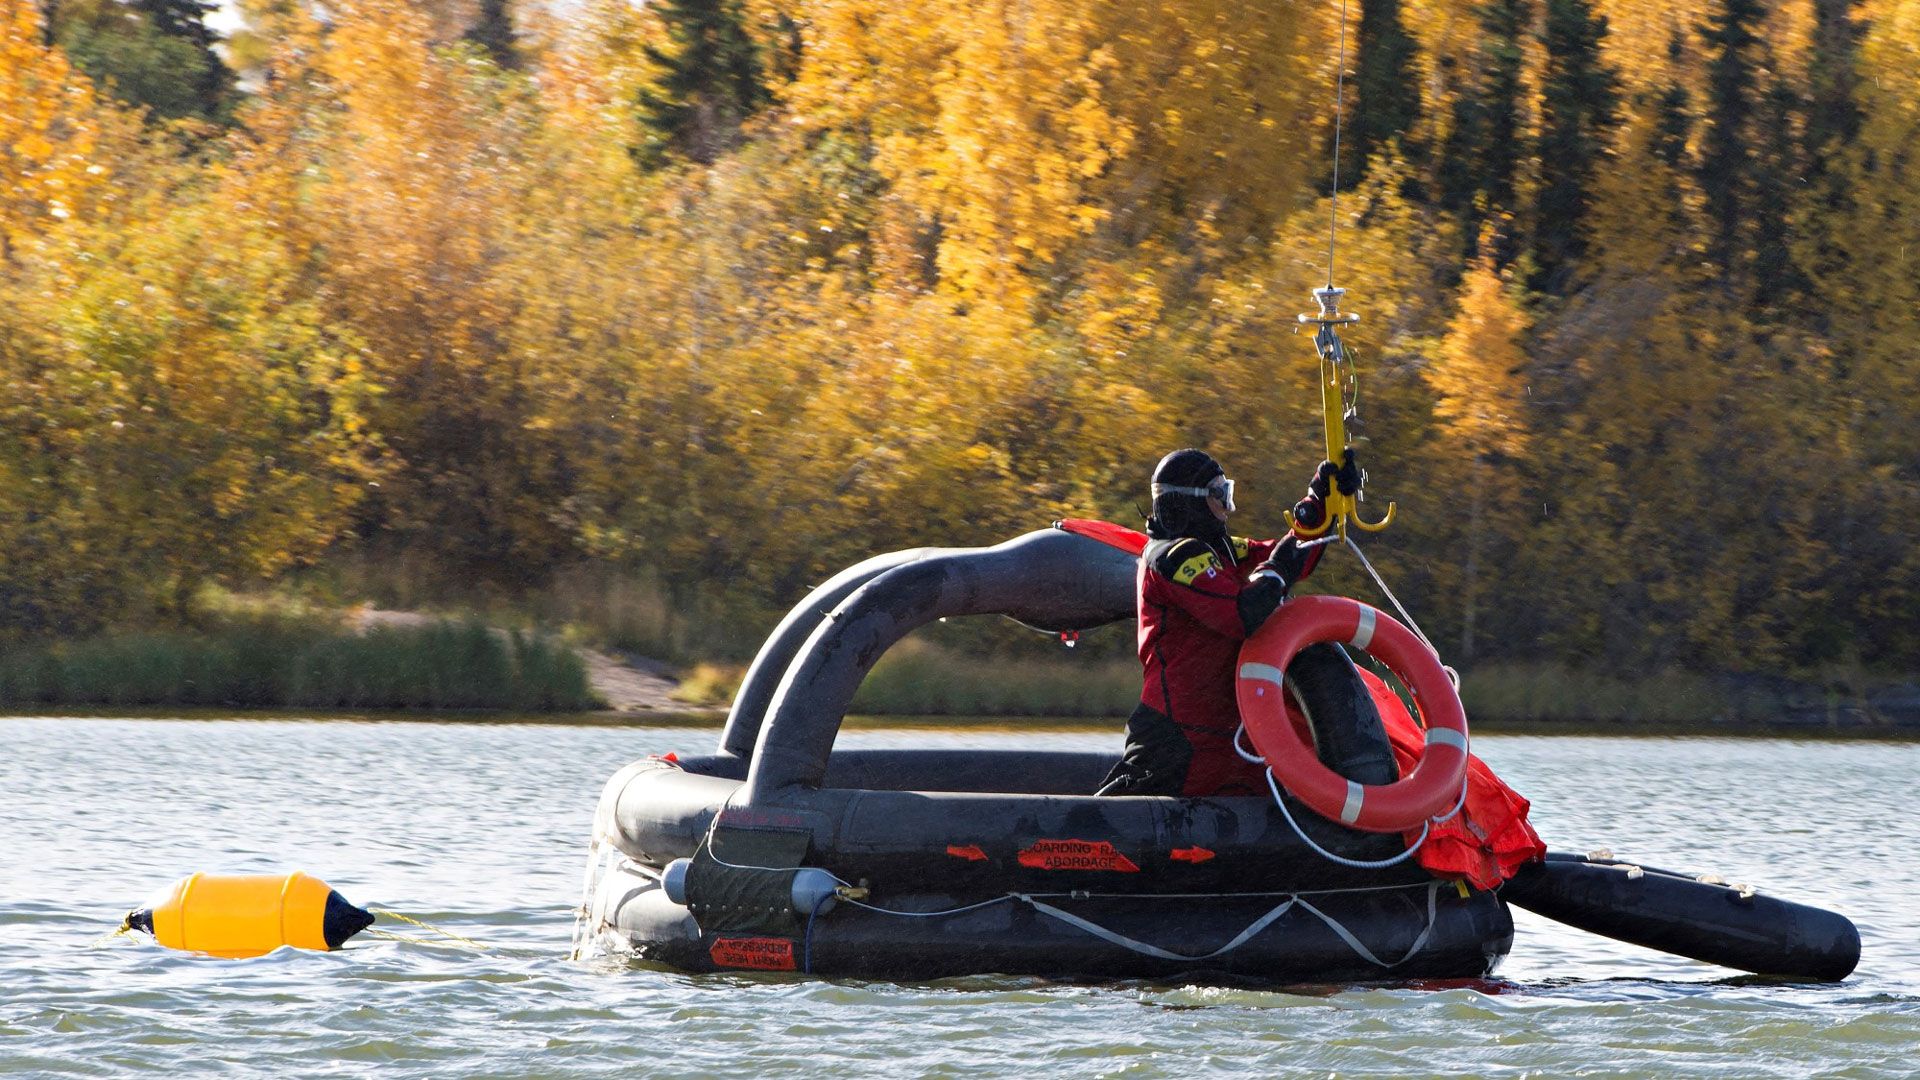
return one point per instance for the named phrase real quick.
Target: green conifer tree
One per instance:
(1579, 99)
(1833, 108)
(1726, 167)
(1834, 116)
(1504, 22)
(153, 53)
(1776, 279)
(710, 83)
(1388, 95)
(1673, 112)
(186, 20)
(1479, 168)
(1750, 162)
(493, 33)
(1672, 127)
(1456, 175)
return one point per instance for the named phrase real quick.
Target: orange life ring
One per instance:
(1434, 783)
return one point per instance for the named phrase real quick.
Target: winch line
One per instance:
(1339, 109)
(1453, 676)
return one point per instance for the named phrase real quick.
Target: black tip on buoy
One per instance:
(141, 920)
(341, 921)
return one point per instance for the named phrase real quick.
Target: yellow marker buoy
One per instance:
(242, 915)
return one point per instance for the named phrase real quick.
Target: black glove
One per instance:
(1322, 481)
(1309, 512)
(1348, 476)
(1291, 562)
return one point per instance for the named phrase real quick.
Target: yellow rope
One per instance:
(123, 931)
(413, 940)
(418, 941)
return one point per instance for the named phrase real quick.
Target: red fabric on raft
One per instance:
(1129, 540)
(1489, 838)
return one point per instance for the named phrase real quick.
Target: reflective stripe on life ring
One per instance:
(1434, 783)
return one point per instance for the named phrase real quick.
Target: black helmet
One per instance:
(1181, 483)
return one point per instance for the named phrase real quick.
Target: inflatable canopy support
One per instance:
(777, 652)
(1050, 579)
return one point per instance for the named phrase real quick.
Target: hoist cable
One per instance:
(1339, 107)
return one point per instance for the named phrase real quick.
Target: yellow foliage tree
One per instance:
(988, 118)
(183, 411)
(977, 267)
(48, 128)
(424, 197)
(1478, 375)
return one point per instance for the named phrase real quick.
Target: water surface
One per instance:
(482, 828)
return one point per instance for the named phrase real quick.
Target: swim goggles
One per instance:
(1221, 488)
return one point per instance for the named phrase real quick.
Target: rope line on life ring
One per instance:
(1357, 864)
(1250, 756)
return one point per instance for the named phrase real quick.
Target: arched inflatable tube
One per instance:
(777, 652)
(1048, 578)
(1435, 782)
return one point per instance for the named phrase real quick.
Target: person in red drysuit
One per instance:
(1201, 593)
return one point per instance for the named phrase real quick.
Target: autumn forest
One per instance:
(736, 292)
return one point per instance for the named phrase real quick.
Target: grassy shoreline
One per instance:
(917, 679)
(712, 720)
(465, 672)
(265, 663)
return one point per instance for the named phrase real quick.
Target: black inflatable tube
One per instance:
(1047, 578)
(972, 843)
(1674, 913)
(1464, 937)
(777, 652)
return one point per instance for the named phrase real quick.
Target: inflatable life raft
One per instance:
(779, 853)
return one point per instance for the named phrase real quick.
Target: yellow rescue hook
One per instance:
(1338, 395)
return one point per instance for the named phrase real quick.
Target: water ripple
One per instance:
(480, 829)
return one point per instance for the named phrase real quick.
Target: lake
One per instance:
(482, 829)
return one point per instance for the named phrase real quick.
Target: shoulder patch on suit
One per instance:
(1190, 561)
(1241, 545)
